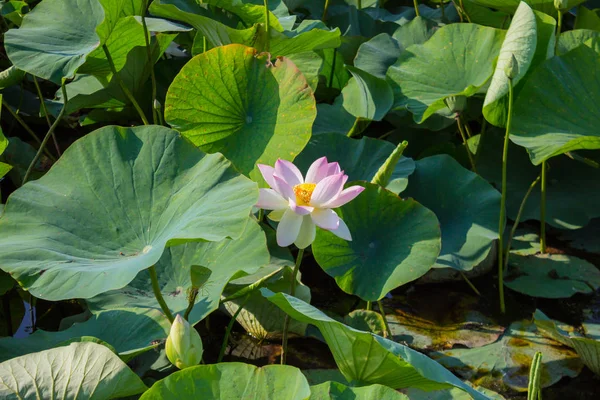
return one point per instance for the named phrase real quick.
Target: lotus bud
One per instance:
(512, 68)
(156, 104)
(183, 347)
(456, 104)
(561, 4)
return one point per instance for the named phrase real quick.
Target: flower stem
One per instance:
(158, 294)
(123, 86)
(470, 283)
(191, 303)
(387, 326)
(229, 328)
(543, 208)
(558, 29)
(150, 62)
(359, 4)
(324, 17)
(517, 219)
(26, 127)
(286, 321)
(464, 139)
(503, 201)
(47, 137)
(416, 5)
(45, 111)
(267, 28)
(369, 306)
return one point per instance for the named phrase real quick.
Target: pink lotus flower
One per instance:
(300, 204)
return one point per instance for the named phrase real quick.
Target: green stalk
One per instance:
(470, 283)
(464, 139)
(503, 200)
(191, 303)
(543, 208)
(517, 219)
(534, 389)
(324, 17)
(267, 28)
(369, 306)
(41, 97)
(359, 4)
(558, 29)
(286, 322)
(387, 326)
(123, 86)
(47, 137)
(150, 62)
(229, 328)
(158, 294)
(416, 5)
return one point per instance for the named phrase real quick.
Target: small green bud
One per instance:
(183, 347)
(512, 68)
(561, 4)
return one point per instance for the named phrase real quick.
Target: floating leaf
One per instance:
(394, 241)
(370, 359)
(457, 61)
(129, 331)
(55, 38)
(548, 118)
(220, 260)
(266, 114)
(108, 209)
(469, 226)
(552, 276)
(339, 391)
(83, 370)
(232, 381)
(509, 359)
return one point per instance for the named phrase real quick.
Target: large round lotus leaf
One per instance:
(55, 38)
(129, 331)
(219, 261)
(573, 188)
(231, 101)
(509, 6)
(569, 40)
(365, 358)
(228, 381)
(551, 276)
(366, 96)
(79, 371)
(510, 359)
(556, 109)
(456, 61)
(520, 43)
(467, 207)
(359, 158)
(394, 241)
(376, 55)
(112, 203)
(339, 391)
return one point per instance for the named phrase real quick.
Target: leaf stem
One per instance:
(47, 137)
(359, 4)
(558, 29)
(369, 306)
(543, 208)
(501, 223)
(267, 27)
(416, 5)
(325, 8)
(286, 321)
(534, 391)
(45, 111)
(464, 139)
(229, 328)
(191, 303)
(158, 294)
(150, 62)
(123, 86)
(26, 127)
(470, 283)
(517, 219)
(387, 326)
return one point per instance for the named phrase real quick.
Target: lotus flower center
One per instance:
(303, 193)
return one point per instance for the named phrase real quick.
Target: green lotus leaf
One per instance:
(469, 228)
(484, 16)
(111, 205)
(55, 38)
(220, 260)
(83, 370)
(366, 96)
(231, 101)
(551, 276)
(458, 60)
(416, 31)
(249, 13)
(520, 43)
(359, 158)
(339, 391)
(548, 118)
(587, 19)
(510, 6)
(227, 381)
(510, 358)
(394, 241)
(569, 40)
(129, 331)
(365, 358)
(376, 55)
